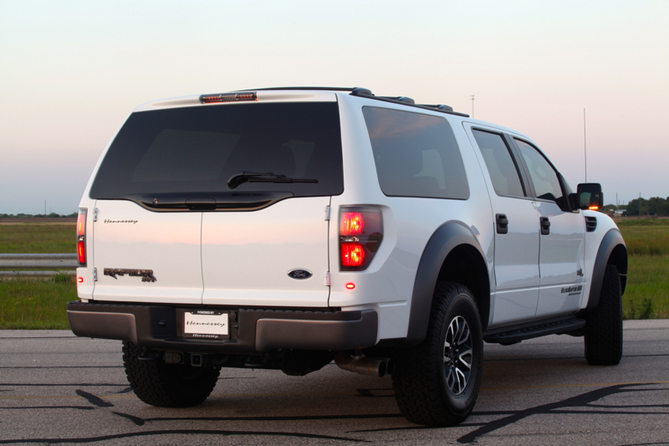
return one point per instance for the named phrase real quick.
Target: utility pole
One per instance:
(472, 106)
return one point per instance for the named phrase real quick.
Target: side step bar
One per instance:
(512, 335)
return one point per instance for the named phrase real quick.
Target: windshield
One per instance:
(199, 149)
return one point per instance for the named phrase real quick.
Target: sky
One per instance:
(588, 81)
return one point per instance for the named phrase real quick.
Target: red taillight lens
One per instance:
(352, 223)
(360, 234)
(352, 254)
(81, 237)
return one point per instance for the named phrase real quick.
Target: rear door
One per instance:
(516, 225)
(146, 241)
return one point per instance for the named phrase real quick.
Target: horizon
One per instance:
(75, 213)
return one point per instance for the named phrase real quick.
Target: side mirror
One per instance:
(588, 196)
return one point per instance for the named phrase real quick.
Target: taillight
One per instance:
(352, 254)
(81, 237)
(360, 234)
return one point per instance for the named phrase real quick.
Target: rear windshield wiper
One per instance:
(264, 177)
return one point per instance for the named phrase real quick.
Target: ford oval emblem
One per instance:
(299, 274)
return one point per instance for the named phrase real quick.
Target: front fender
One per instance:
(612, 250)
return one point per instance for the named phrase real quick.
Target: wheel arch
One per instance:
(452, 254)
(612, 251)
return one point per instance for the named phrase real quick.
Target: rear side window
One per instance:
(198, 149)
(502, 169)
(416, 155)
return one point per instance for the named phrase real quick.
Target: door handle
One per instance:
(545, 226)
(502, 224)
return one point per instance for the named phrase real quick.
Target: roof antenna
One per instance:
(585, 151)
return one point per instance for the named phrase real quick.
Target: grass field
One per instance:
(37, 237)
(40, 303)
(647, 294)
(36, 303)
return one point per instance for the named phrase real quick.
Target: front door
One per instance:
(562, 248)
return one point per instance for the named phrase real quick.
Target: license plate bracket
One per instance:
(206, 324)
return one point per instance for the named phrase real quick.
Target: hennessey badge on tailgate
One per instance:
(145, 274)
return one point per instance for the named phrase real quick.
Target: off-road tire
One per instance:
(424, 382)
(604, 326)
(167, 385)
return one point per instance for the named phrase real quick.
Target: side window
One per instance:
(416, 155)
(502, 169)
(544, 178)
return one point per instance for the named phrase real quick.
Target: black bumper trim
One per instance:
(253, 330)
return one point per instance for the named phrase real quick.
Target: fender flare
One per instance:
(446, 238)
(612, 250)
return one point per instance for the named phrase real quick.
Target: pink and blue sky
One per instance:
(71, 72)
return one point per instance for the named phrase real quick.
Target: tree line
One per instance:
(51, 215)
(655, 206)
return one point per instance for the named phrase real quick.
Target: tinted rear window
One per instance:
(198, 149)
(416, 154)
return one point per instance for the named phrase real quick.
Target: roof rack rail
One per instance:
(442, 107)
(303, 88)
(367, 93)
(361, 92)
(403, 99)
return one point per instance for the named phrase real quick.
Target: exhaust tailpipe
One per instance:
(366, 366)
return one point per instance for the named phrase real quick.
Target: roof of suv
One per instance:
(251, 95)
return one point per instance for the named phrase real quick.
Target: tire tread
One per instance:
(418, 389)
(167, 385)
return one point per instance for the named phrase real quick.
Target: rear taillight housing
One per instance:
(81, 237)
(360, 234)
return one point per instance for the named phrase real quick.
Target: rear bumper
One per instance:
(161, 327)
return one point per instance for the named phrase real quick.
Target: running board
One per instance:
(511, 335)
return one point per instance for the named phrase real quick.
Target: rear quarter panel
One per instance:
(408, 223)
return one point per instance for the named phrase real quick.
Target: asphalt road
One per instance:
(59, 389)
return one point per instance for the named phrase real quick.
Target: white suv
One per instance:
(284, 228)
